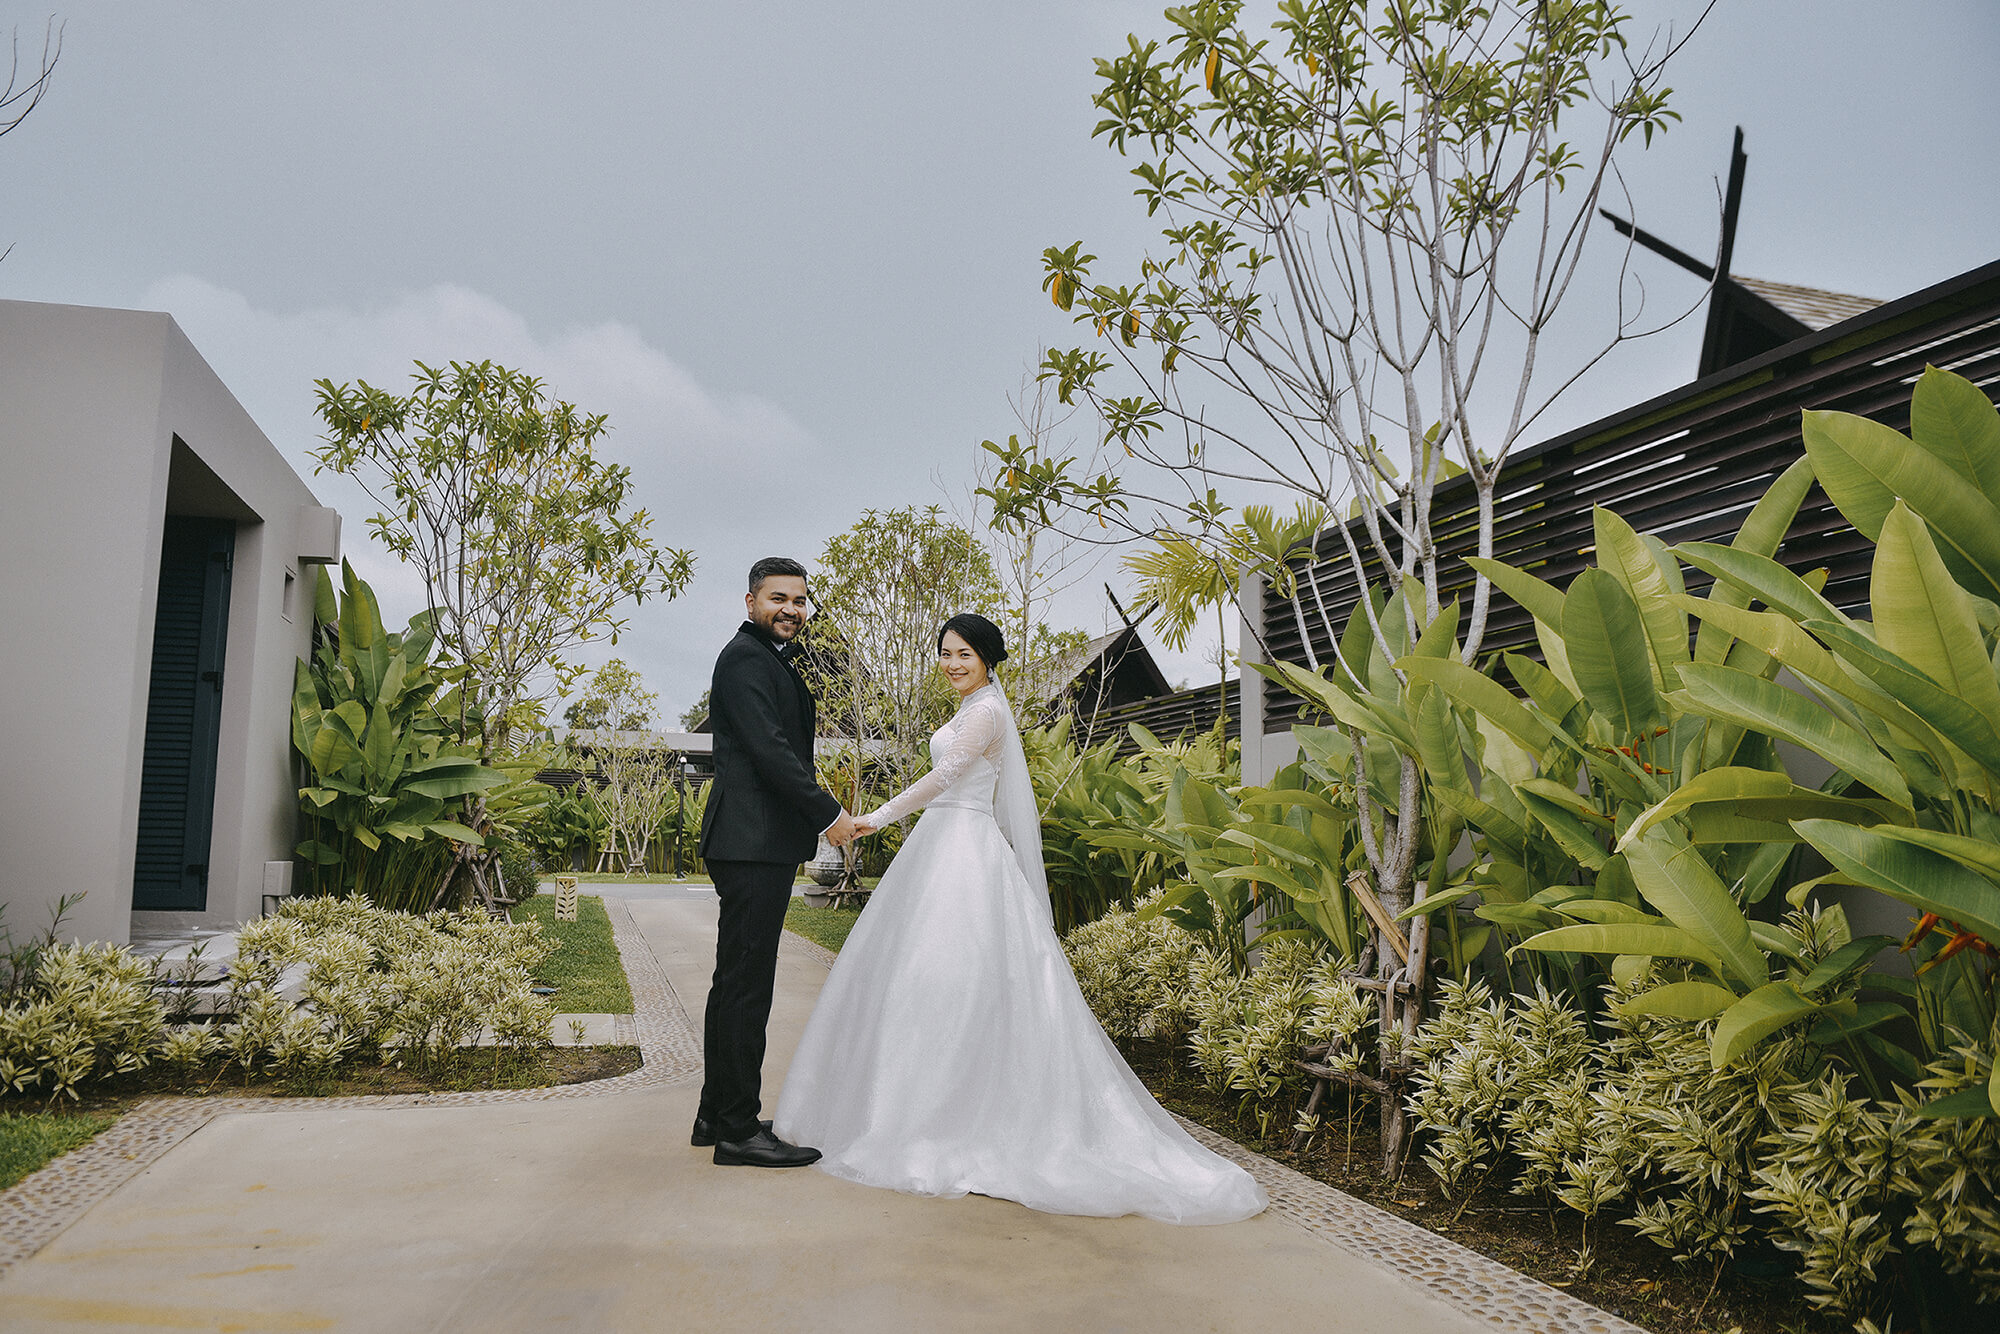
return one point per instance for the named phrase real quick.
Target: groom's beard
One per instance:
(784, 627)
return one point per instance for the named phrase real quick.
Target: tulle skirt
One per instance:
(951, 1052)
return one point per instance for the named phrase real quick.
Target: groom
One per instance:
(765, 815)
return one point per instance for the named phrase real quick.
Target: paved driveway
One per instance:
(593, 1213)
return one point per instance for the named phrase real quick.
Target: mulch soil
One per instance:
(1625, 1273)
(474, 1070)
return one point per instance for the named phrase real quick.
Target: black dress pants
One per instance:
(754, 897)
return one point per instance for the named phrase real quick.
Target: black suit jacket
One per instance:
(765, 804)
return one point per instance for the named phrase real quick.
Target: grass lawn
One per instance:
(823, 926)
(29, 1139)
(585, 968)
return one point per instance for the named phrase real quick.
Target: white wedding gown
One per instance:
(951, 1051)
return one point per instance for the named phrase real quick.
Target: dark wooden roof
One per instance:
(1109, 672)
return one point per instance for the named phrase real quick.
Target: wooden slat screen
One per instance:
(1686, 466)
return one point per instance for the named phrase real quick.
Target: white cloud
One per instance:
(691, 450)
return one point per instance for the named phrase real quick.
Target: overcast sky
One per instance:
(794, 249)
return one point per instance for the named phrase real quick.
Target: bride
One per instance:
(951, 1050)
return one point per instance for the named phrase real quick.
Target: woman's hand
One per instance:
(864, 825)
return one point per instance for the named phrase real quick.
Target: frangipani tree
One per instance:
(495, 493)
(1371, 220)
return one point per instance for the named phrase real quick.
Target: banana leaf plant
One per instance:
(1281, 854)
(1082, 790)
(382, 763)
(1908, 702)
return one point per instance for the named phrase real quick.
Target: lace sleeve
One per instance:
(977, 729)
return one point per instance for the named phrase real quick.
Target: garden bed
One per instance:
(1626, 1274)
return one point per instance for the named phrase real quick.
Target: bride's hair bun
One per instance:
(984, 637)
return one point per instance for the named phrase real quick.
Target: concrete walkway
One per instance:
(593, 1213)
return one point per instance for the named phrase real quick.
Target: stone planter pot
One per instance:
(827, 866)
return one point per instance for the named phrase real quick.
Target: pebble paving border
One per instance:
(42, 1205)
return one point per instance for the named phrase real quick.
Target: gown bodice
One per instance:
(965, 761)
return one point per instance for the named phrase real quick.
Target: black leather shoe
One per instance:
(704, 1133)
(763, 1149)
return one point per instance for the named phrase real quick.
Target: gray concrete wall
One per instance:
(92, 405)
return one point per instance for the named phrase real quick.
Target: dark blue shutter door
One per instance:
(183, 715)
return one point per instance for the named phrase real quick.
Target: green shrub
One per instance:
(520, 871)
(375, 982)
(90, 1011)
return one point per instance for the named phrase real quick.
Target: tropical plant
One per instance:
(1370, 220)
(1904, 709)
(384, 768)
(564, 830)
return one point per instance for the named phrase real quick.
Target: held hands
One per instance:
(864, 825)
(842, 831)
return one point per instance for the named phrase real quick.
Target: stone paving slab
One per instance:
(595, 1215)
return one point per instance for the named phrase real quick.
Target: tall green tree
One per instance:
(524, 537)
(1371, 217)
(616, 699)
(883, 588)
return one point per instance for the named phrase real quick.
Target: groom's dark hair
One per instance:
(771, 565)
(980, 634)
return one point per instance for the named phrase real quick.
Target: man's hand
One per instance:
(842, 831)
(863, 826)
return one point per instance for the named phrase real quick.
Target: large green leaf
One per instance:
(331, 752)
(1539, 598)
(1941, 713)
(1542, 686)
(1628, 558)
(1883, 859)
(1973, 1102)
(1866, 468)
(1606, 910)
(1608, 654)
(1487, 818)
(1680, 1000)
(1660, 941)
(305, 708)
(445, 784)
(1571, 834)
(1952, 418)
(1728, 784)
(1975, 853)
(1785, 715)
(1483, 695)
(1925, 618)
(1363, 713)
(1755, 1017)
(1762, 578)
(1844, 960)
(1756, 794)
(1438, 746)
(1674, 879)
